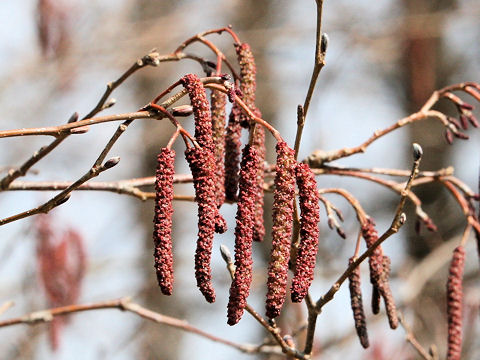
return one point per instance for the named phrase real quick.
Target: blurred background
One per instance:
(383, 62)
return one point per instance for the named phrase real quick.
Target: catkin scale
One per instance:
(357, 305)
(282, 213)
(202, 165)
(162, 233)
(454, 303)
(240, 287)
(309, 218)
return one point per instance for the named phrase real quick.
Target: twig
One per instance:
(125, 304)
(320, 51)
(410, 337)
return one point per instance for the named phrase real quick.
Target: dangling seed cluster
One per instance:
(357, 305)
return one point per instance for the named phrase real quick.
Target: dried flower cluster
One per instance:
(309, 218)
(282, 229)
(240, 287)
(454, 303)
(162, 233)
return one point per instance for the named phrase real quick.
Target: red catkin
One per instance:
(282, 229)
(386, 293)
(162, 231)
(454, 303)
(202, 166)
(240, 286)
(248, 83)
(357, 305)
(309, 218)
(203, 127)
(218, 101)
(232, 153)
(375, 262)
(259, 144)
(201, 110)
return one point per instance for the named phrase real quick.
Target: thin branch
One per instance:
(125, 304)
(410, 337)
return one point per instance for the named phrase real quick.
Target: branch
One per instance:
(125, 304)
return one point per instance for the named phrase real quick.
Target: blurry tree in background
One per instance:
(383, 62)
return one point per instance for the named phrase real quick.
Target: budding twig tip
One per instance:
(226, 254)
(417, 152)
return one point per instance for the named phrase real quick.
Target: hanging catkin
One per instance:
(240, 287)
(282, 229)
(309, 218)
(162, 231)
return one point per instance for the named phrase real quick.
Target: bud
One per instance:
(324, 43)
(111, 162)
(226, 254)
(73, 118)
(417, 152)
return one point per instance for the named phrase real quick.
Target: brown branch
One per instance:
(125, 304)
(410, 337)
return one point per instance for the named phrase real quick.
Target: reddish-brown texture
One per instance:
(201, 110)
(162, 231)
(309, 218)
(375, 262)
(248, 83)
(240, 287)
(386, 293)
(202, 166)
(357, 305)
(232, 153)
(203, 128)
(259, 144)
(218, 101)
(61, 266)
(454, 304)
(282, 211)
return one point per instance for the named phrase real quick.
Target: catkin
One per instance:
(454, 303)
(162, 233)
(248, 83)
(240, 286)
(203, 130)
(259, 145)
(232, 153)
(386, 293)
(357, 305)
(218, 101)
(309, 218)
(282, 229)
(202, 165)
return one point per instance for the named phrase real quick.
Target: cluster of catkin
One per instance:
(222, 171)
(379, 265)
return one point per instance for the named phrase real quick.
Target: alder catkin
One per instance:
(259, 145)
(357, 305)
(386, 293)
(282, 213)
(248, 82)
(454, 303)
(375, 261)
(203, 130)
(309, 218)
(218, 101)
(232, 153)
(240, 287)
(162, 233)
(201, 162)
